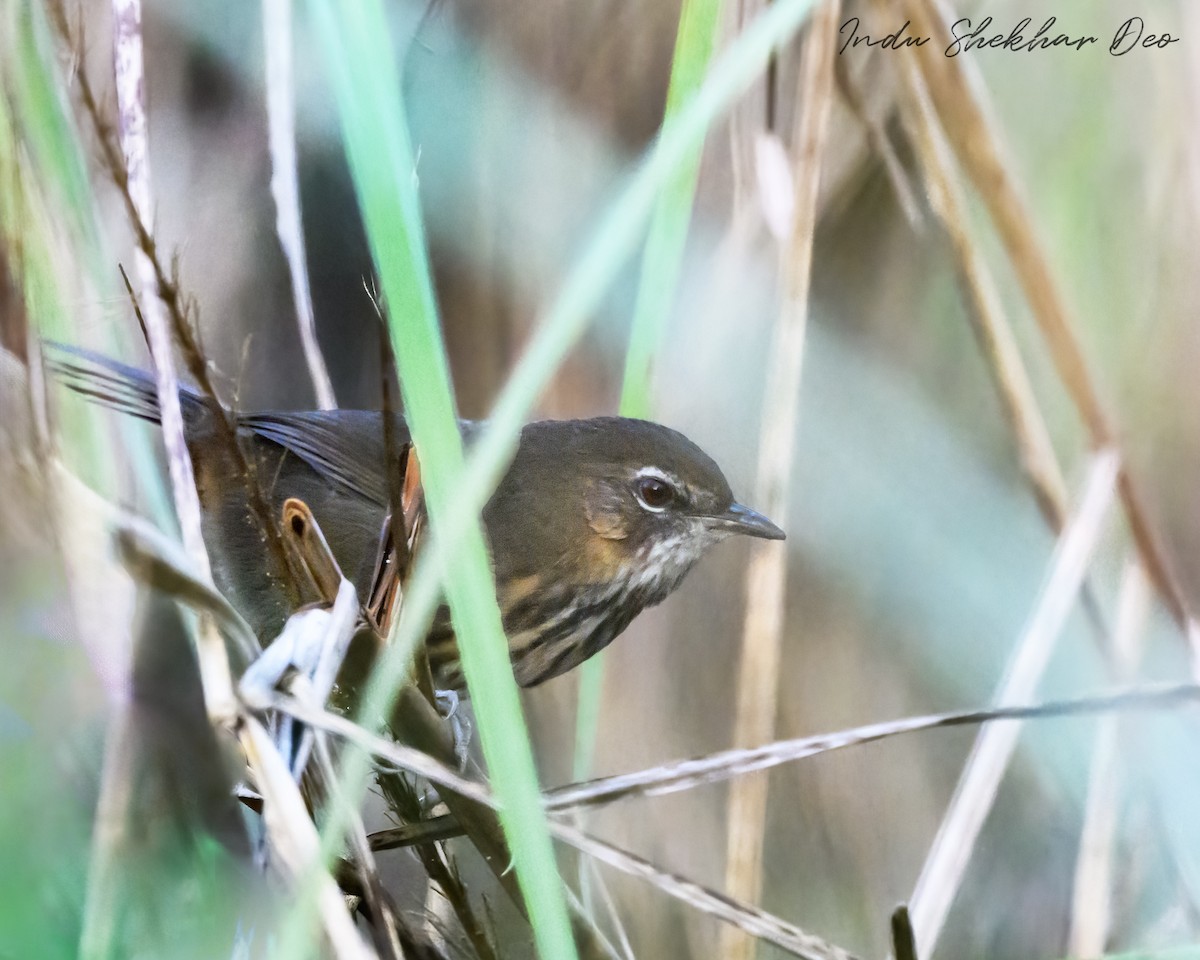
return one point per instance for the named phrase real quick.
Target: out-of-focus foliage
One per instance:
(916, 549)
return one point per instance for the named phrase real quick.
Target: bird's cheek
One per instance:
(607, 524)
(604, 559)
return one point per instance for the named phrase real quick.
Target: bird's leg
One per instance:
(448, 704)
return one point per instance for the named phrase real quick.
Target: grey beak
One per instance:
(743, 520)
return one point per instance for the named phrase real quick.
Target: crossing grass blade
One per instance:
(662, 260)
(383, 167)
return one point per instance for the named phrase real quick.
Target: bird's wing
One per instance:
(345, 446)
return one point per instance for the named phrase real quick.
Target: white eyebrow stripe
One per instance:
(659, 474)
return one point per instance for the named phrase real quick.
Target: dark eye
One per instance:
(655, 493)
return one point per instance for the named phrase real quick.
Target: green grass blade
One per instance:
(663, 254)
(383, 167)
(661, 262)
(49, 130)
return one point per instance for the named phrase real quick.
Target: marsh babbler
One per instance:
(594, 520)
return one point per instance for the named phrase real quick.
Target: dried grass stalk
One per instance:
(131, 126)
(295, 838)
(960, 98)
(176, 309)
(975, 794)
(725, 765)
(986, 311)
(746, 917)
(1091, 904)
(767, 573)
(285, 186)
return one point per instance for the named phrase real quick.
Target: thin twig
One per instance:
(604, 895)
(680, 775)
(285, 185)
(766, 575)
(401, 798)
(385, 922)
(947, 860)
(727, 764)
(444, 827)
(745, 916)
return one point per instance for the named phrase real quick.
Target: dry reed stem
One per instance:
(131, 126)
(294, 836)
(169, 292)
(746, 917)
(285, 185)
(975, 794)
(289, 826)
(1091, 905)
(985, 308)
(960, 98)
(878, 140)
(766, 575)
(101, 912)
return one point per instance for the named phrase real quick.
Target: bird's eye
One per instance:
(655, 493)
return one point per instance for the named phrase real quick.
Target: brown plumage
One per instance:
(594, 521)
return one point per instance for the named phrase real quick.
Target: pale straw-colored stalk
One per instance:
(946, 862)
(960, 98)
(1091, 903)
(285, 186)
(766, 576)
(132, 132)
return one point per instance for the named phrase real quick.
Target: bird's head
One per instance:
(614, 501)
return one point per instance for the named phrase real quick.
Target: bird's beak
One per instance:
(749, 523)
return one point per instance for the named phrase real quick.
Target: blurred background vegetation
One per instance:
(916, 550)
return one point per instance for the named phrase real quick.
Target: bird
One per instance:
(594, 520)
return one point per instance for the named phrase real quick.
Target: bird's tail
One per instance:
(108, 382)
